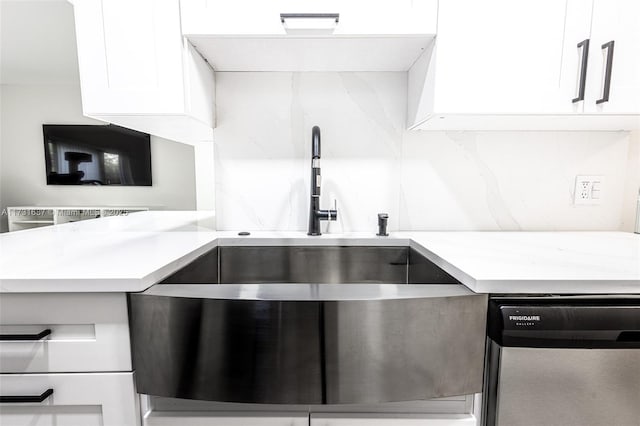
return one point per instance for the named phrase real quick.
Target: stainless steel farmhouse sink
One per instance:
(308, 325)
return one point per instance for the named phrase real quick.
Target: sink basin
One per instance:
(308, 325)
(311, 264)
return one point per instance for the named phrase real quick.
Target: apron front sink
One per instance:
(328, 325)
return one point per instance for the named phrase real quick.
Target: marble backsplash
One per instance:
(424, 180)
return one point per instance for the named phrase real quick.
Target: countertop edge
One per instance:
(466, 279)
(556, 287)
(103, 285)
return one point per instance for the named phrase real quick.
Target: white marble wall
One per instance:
(424, 180)
(512, 180)
(263, 147)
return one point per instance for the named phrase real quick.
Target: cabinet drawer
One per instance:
(226, 419)
(391, 420)
(357, 17)
(91, 399)
(88, 332)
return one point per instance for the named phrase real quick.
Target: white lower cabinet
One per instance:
(65, 360)
(327, 419)
(226, 419)
(453, 411)
(81, 332)
(303, 419)
(78, 399)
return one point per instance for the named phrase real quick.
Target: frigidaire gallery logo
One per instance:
(525, 320)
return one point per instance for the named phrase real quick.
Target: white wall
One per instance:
(37, 42)
(424, 180)
(205, 176)
(24, 108)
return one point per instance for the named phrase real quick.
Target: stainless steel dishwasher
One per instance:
(563, 360)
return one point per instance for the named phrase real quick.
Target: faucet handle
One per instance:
(333, 214)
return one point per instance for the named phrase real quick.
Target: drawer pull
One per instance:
(27, 398)
(309, 23)
(333, 16)
(23, 337)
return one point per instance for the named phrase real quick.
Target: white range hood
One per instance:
(353, 35)
(311, 53)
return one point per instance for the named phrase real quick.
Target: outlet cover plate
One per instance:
(588, 190)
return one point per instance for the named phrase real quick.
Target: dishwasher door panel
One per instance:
(566, 387)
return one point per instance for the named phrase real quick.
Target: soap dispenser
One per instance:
(382, 225)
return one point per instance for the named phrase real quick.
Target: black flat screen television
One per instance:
(96, 155)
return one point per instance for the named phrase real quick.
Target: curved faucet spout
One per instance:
(315, 142)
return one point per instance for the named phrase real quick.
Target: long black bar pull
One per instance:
(26, 398)
(607, 72)
(583, 70)
(26, 337)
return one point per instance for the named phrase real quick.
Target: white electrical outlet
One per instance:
(588, 189)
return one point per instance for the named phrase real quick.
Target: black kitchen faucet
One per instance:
(315, 213)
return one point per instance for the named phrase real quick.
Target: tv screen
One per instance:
(96, 155)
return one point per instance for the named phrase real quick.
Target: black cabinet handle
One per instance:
(334, 16)
(26, 398)
(26, 337)
(607, 72)
(583, 70)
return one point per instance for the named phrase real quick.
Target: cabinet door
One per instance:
(238, 17)
(616, 21)
(105, 399)
(388, 420)
(577, 30)
(130, 56)
(499, 57)
(225, 419)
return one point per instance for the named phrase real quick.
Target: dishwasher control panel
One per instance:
(553, 322)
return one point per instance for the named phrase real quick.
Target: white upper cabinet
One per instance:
(499, 56)
(490, 57)
(500, 64)
(136, 70)
(310, 35)
(614, 61)
(575, 46)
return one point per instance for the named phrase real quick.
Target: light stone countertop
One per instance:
(131, 253)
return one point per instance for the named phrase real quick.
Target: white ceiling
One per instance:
(37, 42)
